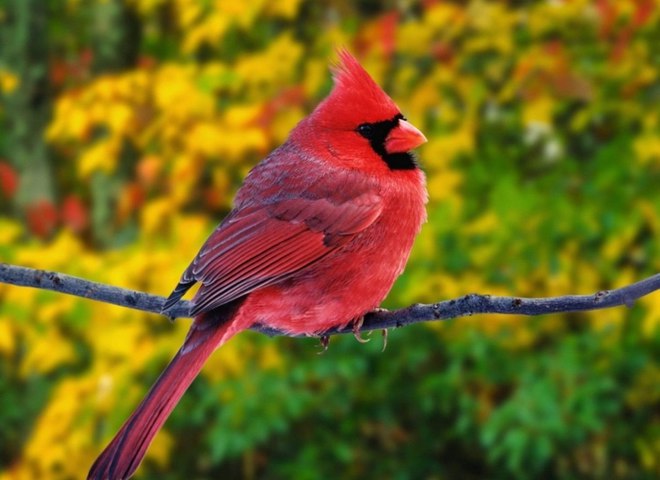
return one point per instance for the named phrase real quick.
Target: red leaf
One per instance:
(644, 10)
(442, 52)
(130, 200)
(8, 180)
(213, 198)
(288, 97)
(146, 62)
(74, 213)
(607, 17)
(86, 58)
(41, 217)
(58, 72)
(388, 24)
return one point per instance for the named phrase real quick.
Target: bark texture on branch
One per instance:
(460, 307)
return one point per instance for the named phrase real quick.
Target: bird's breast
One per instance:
(351, 280)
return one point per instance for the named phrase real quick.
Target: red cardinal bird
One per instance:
(320, 230)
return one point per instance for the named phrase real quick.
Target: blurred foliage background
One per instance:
(127, 126)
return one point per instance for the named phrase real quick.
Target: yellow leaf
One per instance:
(8, 81)
(154, 215)
(538, 111)
(7, 336)
(102, 156)
(647, 148)
(283, 8)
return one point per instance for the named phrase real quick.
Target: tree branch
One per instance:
(460, 307)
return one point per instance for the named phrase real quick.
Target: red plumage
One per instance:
(319, 232)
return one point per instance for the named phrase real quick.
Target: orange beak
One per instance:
(403, 138)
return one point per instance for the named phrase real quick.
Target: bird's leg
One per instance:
(324, 340)
(357, 325)
(384, 331)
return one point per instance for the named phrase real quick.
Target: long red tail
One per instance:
(124, 453)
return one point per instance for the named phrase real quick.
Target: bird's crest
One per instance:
(355, 94)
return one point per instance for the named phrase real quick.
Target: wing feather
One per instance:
(262, 246)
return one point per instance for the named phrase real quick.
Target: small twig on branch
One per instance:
(460, 307)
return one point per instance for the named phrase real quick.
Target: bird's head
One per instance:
(358, 124)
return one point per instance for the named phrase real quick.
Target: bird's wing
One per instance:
(257, 247)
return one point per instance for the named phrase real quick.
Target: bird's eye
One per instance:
(366, 130)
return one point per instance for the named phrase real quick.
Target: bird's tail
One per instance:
(125, 452)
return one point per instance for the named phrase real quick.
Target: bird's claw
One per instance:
(384, 331)
(324, 340)
(357, 325)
